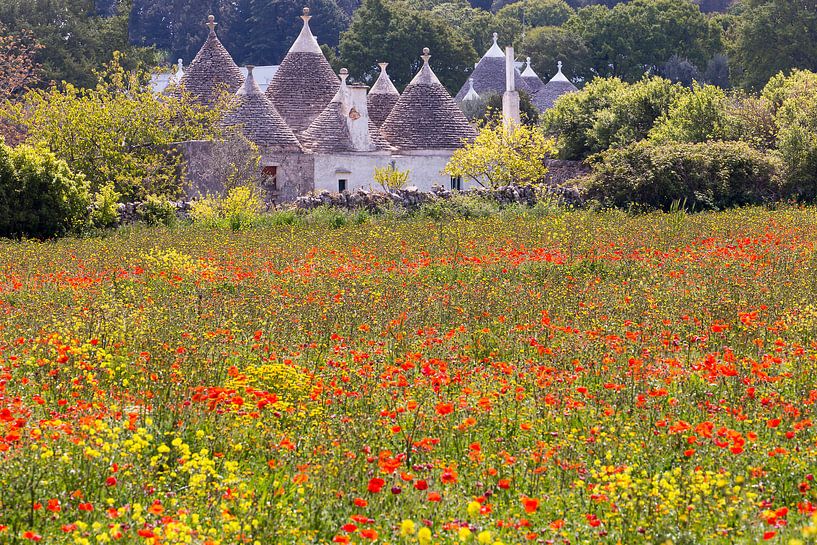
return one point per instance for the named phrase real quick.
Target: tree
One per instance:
(18, 67)
(119, 132)
(680, 70)
(698, 116)
(39, 195)
(75, 40)
(18, 71)
(271, 26)
(383, 31)
(476, 24)
(536, 13)
(546, 46)
(773, 35)
(634, 38)
(499, 157)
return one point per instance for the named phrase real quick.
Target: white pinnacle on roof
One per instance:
(472, 94)
(306, 42)
(559, 76)
(495, 50)
(529, 73)
(384, 85)
(426, 75)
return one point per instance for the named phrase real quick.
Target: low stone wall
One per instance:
(411, 198)
(133, 212)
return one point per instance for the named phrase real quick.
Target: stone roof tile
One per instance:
(212, 72)
(258, 119)
(304, 83)
(426, 117)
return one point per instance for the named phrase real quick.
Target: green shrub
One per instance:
(39, 195)
(157, 211)
(698, 116)
(714, 175)
(104, 210)
(240, 208)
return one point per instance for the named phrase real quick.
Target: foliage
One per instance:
(635, 38)
(632, 112)
(119, 132)
(500, 157)
(389, 178)
(608, 113)
(573, 116)
(537, 13)
(773, 35)
(76, 40)
(392, 31)
(698, 116)
(546, 46)
(39, 195)
(680, 70)
(157, 210)
(104, 210)
(241, 207)
(712, 175)
(415, 382)
(492, 112)
(795, 102)
(18, 67)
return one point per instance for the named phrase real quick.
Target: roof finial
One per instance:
(559, 64)
(211, 22)
(426, 54)
(383, 66)
(306, 17)
(250, 68)
(496, 37)
(528, 59)
(344, 73)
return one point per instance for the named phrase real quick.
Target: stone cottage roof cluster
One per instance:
(489, 78)
(316, 131)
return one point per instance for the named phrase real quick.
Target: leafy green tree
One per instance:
(39, 195)
(546, 46)
(635, 38)
(270, 26)
(476, 24)
(75, 40)
(632, 113)
(698, 116)
(773, 35)
(609, 113)
(119, 132)
(177, 27)
(500, 157)
(536, 13)
(393, 32)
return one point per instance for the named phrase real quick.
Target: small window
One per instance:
(341, 186)
(271, 177)
(456, 183)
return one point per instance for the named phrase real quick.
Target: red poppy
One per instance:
(376, 485)
(531, 505)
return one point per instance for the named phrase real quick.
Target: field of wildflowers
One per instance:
(575, 378)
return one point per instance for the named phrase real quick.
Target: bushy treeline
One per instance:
(654, 142)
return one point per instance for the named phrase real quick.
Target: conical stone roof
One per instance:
(489, 74)
(256, 117)
(304, 83)
(532, 79)
(329, 132)
(426, 117)
(382, 97)
(472, 93)
(212, 72)
(558, 85)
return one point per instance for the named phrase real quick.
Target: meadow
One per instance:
(560, 378)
